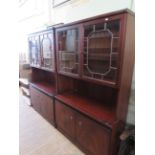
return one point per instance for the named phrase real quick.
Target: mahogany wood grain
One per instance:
(34, 96)
(43, 104)
(126, 67)
(44, 87)
(95, 138)
(65, 119)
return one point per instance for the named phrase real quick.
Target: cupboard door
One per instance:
(35, 99)
(34, 51)
(46, 107)
(42, 104)
(92, 136)
(65, 119)
(101, 50)
(68, 51)
(47, 48)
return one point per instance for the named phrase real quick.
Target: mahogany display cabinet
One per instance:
(91, 65)
(43, 80)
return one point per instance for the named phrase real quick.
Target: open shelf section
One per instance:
(94, 109)
(44, 87)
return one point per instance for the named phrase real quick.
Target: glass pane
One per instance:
(101, 49)
(34, 51)
(48, 51)
(68, 51)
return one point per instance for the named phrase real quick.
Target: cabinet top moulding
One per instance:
(110, 14)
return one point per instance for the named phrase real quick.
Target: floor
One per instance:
(38, 137)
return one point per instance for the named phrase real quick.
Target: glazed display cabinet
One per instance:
(81, 79)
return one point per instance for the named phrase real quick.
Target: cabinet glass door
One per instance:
(101, 50)
(68, 51)
(34, 51)
(47, 50)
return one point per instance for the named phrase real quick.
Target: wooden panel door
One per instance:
(46, 107)
(65, 119)
(42, 104)
(92, 136)
(35, 98)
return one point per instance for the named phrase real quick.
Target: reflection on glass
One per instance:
(68, 51)
(34, 51)
(48, 51)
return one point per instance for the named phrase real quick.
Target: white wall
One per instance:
(80, 9)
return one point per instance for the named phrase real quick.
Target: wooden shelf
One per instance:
(44, 87)
(47, 69)
(95, 109)
(43, 68)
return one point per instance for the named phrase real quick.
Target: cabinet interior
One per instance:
(101, 50)
(44, 80)
(103, 94)
(68, 51)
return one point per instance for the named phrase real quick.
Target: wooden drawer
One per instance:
(65, 118)
(42, 104)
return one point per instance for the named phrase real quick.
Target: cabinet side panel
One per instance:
(127, 68)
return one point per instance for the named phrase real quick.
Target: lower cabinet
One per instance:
(43, 104)
(65, 119)
(88, 134)
(94, 137)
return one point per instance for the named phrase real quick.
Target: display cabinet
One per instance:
(98, 98)
(81, 78)
(43, 79)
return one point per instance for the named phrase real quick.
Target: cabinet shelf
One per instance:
(95, 109)
(43, 68)
(44, 87)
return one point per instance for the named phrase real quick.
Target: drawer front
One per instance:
(65, 118)
(92, 136)
(42, 104)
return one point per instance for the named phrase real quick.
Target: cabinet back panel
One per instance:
(41, 75)
(101, 93)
